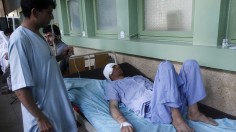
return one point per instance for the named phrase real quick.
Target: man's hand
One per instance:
(26, 98)
(67, 52)
(44, 125)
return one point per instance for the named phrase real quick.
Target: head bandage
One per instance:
(108, 70)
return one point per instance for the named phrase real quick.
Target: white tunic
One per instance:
(3, 50)
(33, 66)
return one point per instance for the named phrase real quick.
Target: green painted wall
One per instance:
(127, 18)
(206, 21)
(208, 29)
(208, 56)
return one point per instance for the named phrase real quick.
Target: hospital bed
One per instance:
(86, 92)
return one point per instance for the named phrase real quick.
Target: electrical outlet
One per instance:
(122, 34)
(83, 33)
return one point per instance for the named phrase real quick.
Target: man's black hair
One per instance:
(48, 28)
(28, 5)
(8, 31)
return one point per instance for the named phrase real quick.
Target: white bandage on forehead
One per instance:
(108, 70)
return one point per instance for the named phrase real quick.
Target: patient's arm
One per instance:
(25, 96)
(116, 114)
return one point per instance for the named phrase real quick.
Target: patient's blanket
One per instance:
(88, 94)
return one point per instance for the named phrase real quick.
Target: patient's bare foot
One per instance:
(178, 122)
(195, 115)
(201, 117)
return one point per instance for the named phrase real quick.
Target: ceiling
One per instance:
(1, 9)
(9, 5)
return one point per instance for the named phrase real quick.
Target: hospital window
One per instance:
(166, 18)
(105, 18)
(75, 14)
(231, 28)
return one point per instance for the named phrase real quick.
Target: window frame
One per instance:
(165, 35)
(231, 33)
(71, 31)
(104, 33)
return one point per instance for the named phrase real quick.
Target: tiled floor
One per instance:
(10, 112)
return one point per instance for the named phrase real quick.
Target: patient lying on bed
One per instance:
(166, 101)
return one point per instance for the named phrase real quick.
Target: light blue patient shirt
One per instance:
(124, 91)
(33, 66)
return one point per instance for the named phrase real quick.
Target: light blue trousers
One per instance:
(175, 90)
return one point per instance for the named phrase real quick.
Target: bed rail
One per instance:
(94, 60)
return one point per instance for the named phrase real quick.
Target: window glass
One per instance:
(168, 15)
(106, 14)
(74, 14)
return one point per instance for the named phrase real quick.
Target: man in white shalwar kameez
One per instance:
(36, 77)
(4, 62)
(3, 50)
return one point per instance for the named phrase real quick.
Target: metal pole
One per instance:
(53, 35)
